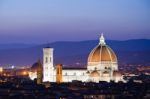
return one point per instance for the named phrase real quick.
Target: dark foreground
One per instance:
(23, 88)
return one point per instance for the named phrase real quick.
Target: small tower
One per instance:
(39, 73)
(48, 68)
(102, 40)
(59, 73)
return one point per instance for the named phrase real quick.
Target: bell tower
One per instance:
(48, 67)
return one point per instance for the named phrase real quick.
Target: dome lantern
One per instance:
(102, 40)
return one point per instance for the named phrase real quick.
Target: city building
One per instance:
(102, 65)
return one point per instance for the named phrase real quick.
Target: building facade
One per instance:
(102, 65)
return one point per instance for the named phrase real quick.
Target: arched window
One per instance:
(95, 68)
(46, 60)
(50, 59)
(66, 74)
(83, 74)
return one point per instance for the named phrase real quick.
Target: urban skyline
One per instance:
(74, 49)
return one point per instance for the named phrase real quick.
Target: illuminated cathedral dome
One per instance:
(34, 67)
(101, 53)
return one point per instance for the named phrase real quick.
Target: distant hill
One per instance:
(16, 45)
(76, 53)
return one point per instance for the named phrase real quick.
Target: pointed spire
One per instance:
(102, 40)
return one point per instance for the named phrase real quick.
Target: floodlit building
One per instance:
(102, 65)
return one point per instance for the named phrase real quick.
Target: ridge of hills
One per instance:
(75, 53)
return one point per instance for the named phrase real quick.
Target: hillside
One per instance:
(73, 53)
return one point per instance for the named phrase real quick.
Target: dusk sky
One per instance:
(42, 21)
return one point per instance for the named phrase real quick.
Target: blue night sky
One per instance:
(42, 21)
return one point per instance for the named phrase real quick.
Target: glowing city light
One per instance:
(12, 67)
(1, 69)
